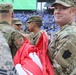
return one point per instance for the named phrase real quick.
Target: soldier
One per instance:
(34, 25)
(62, 49)
(6, 63)
(14, 39)
(17, 24)
(39, 39)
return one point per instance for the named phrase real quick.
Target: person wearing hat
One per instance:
(13, 37)
(62, 49)
(40, 40)
(34, 24)
(6, 31)
(17, 24)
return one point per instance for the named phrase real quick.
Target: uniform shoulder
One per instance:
(68, 31)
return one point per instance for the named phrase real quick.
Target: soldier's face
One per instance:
(31, 26)
(62, 14)
(17, 27)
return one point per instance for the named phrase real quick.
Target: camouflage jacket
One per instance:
(35, 37)
(62, 50)
(6, 63)
(13, 37)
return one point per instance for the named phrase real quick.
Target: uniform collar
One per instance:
(4, 22)
(66, 25)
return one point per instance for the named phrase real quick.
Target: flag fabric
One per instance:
(42, 46)
(34, 60)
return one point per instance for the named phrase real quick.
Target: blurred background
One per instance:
(23, 9)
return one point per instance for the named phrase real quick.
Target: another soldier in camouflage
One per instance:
(6, 63)
(62, 49)
(14, 39)
(34, 24)
(17, 24)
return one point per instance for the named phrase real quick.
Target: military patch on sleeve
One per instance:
(66, 54)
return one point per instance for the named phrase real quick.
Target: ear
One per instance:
(12, 15)
(73, 11)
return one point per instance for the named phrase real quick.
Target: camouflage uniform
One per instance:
(62, 49)
(34, 37)
(12, 36)
(14, 39)
(17, 22)
(66, 3)
(6, 63)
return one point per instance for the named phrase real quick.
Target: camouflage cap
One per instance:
(35, 18)
(17, 21)
(5, 7)
(66, 3)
